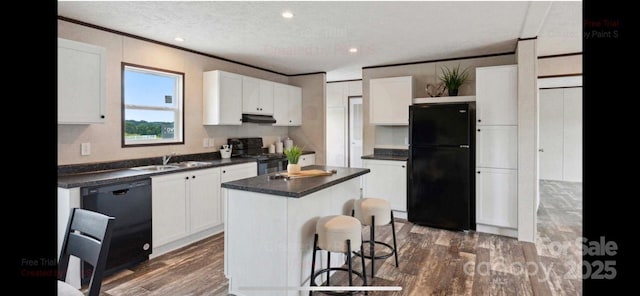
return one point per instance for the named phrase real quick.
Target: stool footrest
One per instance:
(327, 271)
(383, 256)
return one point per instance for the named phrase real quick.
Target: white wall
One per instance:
(562, 65)
(527, 139)
(311, 135)
(105, 138)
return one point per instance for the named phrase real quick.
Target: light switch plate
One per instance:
(205, 142)
(85, 149)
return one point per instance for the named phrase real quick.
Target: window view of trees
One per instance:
(135, 129)
(152, 104)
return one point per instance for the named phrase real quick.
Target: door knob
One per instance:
(541, 150)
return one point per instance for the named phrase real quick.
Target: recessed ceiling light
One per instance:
(179, 39)
(353, 50)
(287, 14)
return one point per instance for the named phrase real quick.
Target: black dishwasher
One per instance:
(130, 204)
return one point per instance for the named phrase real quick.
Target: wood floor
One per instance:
(432, 261)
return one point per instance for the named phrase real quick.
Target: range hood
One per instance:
(258, 118)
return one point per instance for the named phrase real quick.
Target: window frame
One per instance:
(181, 122)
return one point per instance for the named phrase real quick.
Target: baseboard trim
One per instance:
(497, 230)
(172, 246)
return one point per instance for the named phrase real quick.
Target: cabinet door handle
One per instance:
(478, 172)
(541, 150)
(193, 177)
(240, 119)
(102, 116)
(186, 178)
(478, 129)
(258, 109)
(403, 165)
(224, 172)
(289, 120)
(479, 120)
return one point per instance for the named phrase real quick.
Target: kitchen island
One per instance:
(270, 224)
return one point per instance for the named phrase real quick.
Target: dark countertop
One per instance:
(386, 157)
(388, 154)
(124, 175)
(296, 188)
(308, 152)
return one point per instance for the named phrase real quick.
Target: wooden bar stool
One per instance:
(375, 212)
(341, 234)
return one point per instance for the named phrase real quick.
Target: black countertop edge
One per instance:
(296, 188)
(385, 157)
(308, 152)
(124, 175)
(129, 163)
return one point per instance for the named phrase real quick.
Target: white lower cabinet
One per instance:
(307, 159)
(204, 199)
(186, 208)
(232, 173)
(387, 180)
(496, 197)
(169, 208)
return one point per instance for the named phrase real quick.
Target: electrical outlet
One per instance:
(205, 142)
(85, 149)
(212, 142)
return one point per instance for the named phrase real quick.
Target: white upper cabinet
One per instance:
(497, 95)
(257, 96)
(81, 82)
(222, 98)
(287, 105)
(389, 100)
(295, 105)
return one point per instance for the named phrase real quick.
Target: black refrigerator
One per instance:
(441, 181)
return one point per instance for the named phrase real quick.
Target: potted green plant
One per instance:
(293, 154)
(453, 79)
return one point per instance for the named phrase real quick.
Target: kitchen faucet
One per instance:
(165, 158)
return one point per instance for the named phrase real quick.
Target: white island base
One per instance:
(268, 238)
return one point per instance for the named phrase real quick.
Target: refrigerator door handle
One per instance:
(464, 146)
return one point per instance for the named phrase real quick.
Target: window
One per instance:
(152, 106)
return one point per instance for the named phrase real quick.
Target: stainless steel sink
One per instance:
(157, 167)
(190, 164)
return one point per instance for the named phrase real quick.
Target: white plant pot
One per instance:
(293, 168)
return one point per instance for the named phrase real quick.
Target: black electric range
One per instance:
(252, 148)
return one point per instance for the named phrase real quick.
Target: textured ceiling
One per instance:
(317, 39)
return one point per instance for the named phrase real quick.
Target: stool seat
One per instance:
(375, 212)
(366, 207)
(342, 234)
(334, 231)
